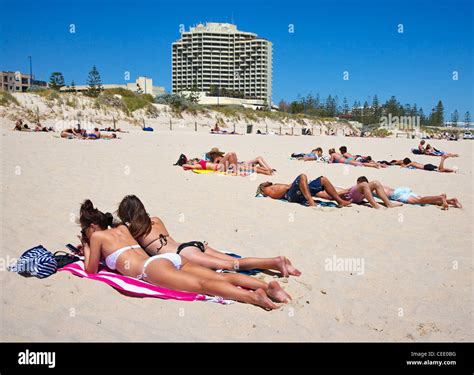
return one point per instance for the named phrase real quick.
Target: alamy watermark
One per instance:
(400, 122)
(335, 264)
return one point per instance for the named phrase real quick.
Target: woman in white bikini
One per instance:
(122, 253)
(152, 235)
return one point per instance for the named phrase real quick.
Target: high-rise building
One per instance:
(219, 60)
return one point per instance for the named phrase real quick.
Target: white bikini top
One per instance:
(111, 260)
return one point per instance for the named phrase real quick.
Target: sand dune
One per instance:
(411, 289)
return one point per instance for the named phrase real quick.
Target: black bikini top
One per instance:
(163, 241)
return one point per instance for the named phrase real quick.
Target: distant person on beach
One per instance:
(302, 191)
(41, 128)
(20, 126)
(315, 154)
(359, 158)
(338, 158)
(407, 163)
(152, 235)
(200, 164)
(122, 253)
(430, 150)
(230, 161)
(365, 190)
(72, 133)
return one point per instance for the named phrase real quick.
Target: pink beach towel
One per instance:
(137, 288)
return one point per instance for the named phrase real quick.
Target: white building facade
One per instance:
(219, 60)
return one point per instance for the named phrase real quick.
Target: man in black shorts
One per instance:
(407, 163)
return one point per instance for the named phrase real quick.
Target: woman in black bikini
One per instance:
(151, 234)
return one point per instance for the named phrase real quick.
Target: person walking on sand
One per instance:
(302, 191)
(122, 253)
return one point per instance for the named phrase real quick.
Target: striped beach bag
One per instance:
(37, 262)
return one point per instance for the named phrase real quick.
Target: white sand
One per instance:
(410, 290)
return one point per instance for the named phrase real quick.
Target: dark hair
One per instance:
(331, 151)
(319, 149)
(362, 179)
(343, 149)
(133, 214)
(406, 161)
(91, 215)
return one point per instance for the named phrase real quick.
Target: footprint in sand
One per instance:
(425, 328)
(307, 286)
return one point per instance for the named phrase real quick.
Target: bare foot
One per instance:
(456, 203)
(395, 204)
(281, 266)
(276, 293)
(344, 203)
(261, 299)
(444, 205)
(291, 270)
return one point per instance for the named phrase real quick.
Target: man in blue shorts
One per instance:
(302, 191)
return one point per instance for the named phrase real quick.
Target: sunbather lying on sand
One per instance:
(301, 191)
(338, 158)
(315, 154)
(152, 235)
(201, 164)
(407, 163)
(431, 151)
(41, 128)
(406, 195)
(366, 190)
(122, 253)
(360, 158)
(73, 133)
(230, 161)
(20, 126)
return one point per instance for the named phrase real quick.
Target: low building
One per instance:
(205, 99)
(18, 82)
(143, 85)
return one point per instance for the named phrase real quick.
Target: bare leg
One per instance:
(273, 290)
(209, 260)
(438, 200)
(379, 190)
(331, 191)
(163, 273)
(441, 167)
(366, 191)
(261, 161)
(262, 170)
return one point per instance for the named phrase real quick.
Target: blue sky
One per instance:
(329, 37)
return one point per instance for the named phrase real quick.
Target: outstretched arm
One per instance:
(92, 255)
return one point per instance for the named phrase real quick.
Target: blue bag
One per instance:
(37, 262)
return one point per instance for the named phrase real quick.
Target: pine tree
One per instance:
(439, 114)
(56, 81)
(345, 106)
(73, 86)
(467, 119)
(94, 82)
(455, 118)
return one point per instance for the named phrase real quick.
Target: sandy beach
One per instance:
(417, 279)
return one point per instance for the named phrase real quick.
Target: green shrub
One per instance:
(381, 132)
(7, 99)
(119, 91)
